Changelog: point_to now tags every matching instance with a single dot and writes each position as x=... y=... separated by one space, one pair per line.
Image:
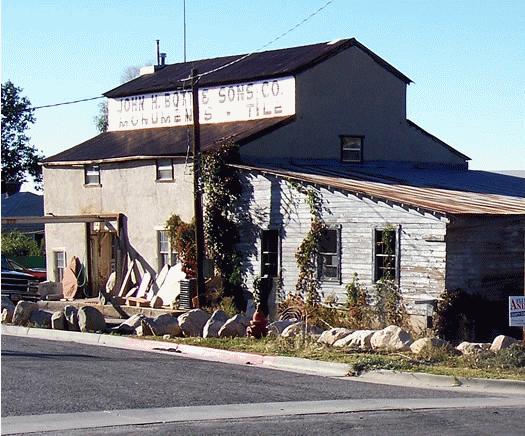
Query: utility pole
x=197 y=194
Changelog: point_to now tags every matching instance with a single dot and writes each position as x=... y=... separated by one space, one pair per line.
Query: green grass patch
x=506 y=364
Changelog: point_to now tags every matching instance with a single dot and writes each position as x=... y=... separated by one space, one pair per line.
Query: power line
x=291 y=29
x=229 y=64
x=66 y=102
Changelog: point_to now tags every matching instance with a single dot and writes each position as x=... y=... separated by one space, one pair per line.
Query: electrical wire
x=214 y=70
x=291 y=29
x=64 y=103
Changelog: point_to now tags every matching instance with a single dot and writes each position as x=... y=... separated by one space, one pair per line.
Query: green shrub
x=359 y=311
x=18 y=244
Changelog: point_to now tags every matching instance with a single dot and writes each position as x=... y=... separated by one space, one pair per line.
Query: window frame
x=90 y=168
x=171 y=254
x=159 y=168
x=361 y=148
x=337 y=228
x=277 y=253
x=397 y=253
x=57 y=269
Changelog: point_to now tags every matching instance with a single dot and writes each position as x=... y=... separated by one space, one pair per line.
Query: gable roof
x=23 y=204
x=267 y=64
x=434 y=199
x=162 y=141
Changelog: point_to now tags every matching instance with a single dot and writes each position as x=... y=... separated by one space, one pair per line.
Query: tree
x=19 y=157
x=101 y=119
x=18 y=244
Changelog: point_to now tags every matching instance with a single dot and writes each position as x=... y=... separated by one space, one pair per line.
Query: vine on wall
x=306 y=255
x=222 y=188
x=182 y=238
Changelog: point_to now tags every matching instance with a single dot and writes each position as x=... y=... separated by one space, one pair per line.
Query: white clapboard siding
x=274 y=204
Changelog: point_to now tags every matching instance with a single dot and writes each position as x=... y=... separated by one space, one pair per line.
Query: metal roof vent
x=162 y=59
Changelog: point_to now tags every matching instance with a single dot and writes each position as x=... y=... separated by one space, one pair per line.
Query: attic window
x=92 y=175
x=165 y=169
x=352 y=148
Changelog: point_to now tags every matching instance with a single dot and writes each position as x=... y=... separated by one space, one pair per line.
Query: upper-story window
x=92 y=175
x=351 y=148
x=165 y=169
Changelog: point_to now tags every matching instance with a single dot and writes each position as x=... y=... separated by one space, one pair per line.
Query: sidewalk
x=294 y=364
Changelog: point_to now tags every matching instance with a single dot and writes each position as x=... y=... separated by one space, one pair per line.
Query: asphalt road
x=43 y=377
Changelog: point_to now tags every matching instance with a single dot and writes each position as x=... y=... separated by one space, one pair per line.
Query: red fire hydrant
x=258 y=325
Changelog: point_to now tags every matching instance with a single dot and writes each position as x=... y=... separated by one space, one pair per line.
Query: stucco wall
x=274 y=204
x=349 y=94
x=128 y=188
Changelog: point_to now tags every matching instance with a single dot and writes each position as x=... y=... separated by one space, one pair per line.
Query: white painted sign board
x=218 y=104
x=517 y=311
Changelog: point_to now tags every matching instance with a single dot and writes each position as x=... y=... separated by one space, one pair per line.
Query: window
x=328 y=258
x=270 y=253
x=165 y=169
x=166 y=256
x=92 y=175
x=351 y=148
x=385 y=254
x=60 y=265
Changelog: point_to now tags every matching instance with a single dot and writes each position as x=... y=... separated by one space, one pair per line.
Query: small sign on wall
x=517 y=311
x=218 y=104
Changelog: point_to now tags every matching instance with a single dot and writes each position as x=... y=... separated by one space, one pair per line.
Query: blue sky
x=467 y=58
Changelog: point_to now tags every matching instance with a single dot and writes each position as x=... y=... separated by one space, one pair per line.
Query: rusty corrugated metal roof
x=443 y=201
x=267 y=64
x=163 y=141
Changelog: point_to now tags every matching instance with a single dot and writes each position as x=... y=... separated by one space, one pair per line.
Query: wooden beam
x=60 y=219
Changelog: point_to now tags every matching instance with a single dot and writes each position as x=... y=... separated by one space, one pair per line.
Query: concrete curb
x=418 y=379
x=293 y=364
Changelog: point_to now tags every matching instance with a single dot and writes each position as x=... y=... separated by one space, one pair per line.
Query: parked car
x=38 y=273
x=18 y=285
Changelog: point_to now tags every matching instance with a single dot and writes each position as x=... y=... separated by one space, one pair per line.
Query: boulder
x=391 y=338
x=144 y=329
x=7 y=315
x=58 y=321
x=359 y=339
x=214 y=324
x=501 y=342
x=277 y=327
x=23 y=311
x=165 y=324
x=427 y=344
x=8 y=309
x=40 y=319
x=192 y=322
x=7 y=303
x=468 y=348
x=49 y=288
x=234 y=327
x=71 y=314
x=129 y=326
x=329 y=337
x=300 y=328
x=91 y=320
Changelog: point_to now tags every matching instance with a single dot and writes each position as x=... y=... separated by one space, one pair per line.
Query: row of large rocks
x=394 y=338
x=83 y=319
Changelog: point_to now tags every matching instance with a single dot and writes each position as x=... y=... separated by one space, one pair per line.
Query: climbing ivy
x=182 y=238
x=306 y=255
x=222 y=188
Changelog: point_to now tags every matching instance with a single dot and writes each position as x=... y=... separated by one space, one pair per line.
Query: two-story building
x=397 y=200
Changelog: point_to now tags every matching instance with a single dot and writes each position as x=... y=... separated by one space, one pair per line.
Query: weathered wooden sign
x=218 y=104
